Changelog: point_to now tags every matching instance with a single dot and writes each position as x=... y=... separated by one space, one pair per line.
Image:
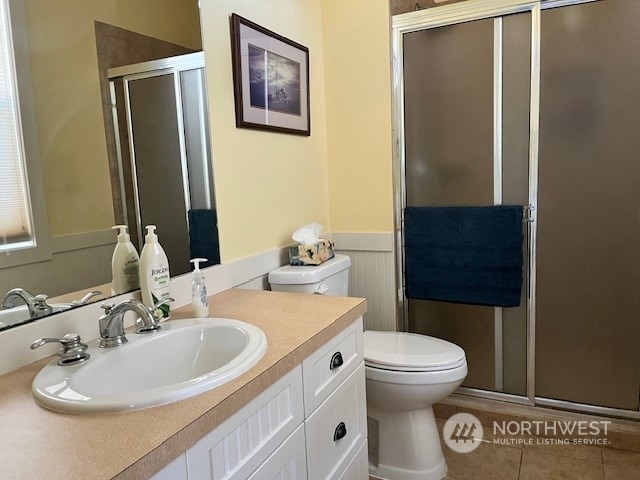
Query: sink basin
x=185 y=358
x=20 y=314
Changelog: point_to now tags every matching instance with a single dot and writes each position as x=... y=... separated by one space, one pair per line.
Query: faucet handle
x=144 y=328
x=40 y=306
x=107 y=307
x=73 y=351
x=40 y=299
x=161 y=302
x=85 y=299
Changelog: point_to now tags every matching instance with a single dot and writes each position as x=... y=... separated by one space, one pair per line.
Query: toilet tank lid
x=300 y=275
x=410 y=351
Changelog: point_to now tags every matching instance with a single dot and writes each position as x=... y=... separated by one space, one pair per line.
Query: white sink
x=185 y=358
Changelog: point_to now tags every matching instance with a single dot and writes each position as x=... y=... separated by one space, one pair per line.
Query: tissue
x=309 y=233
x=312 y=250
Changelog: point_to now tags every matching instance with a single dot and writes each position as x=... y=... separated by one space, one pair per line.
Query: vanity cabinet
x=310 y=424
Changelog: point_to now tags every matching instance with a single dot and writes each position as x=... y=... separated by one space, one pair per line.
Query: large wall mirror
x=114 y=115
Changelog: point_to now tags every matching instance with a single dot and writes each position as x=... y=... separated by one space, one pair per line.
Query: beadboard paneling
x=372 y=276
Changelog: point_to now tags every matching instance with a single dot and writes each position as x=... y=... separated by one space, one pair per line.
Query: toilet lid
x=410 y=352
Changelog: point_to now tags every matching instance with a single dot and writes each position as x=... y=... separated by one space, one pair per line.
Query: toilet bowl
x=406 y=374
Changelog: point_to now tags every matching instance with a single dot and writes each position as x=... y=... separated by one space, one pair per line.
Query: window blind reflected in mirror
x=15 y=210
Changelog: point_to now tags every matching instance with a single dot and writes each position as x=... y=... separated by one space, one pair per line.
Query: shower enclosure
x=163 y=146
x=532 y=103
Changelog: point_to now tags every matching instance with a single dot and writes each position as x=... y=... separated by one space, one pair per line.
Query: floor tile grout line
x=520 y=464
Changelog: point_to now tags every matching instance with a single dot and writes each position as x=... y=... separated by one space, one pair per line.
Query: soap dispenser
x=154 y=273
x=199 y=301
x=125 y=264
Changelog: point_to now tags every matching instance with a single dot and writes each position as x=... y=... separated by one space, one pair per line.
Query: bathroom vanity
x=291 y=413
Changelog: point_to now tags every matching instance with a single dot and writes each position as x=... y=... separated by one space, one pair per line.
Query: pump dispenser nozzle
x=199 y=300
x=123 y=235
x=196 y=264
x=151 y=236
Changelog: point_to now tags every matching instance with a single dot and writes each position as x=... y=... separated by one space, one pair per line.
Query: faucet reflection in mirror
x=35 y=306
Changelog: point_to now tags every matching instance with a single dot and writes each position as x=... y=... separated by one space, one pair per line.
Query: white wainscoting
x=372 y=275
x=76 y=261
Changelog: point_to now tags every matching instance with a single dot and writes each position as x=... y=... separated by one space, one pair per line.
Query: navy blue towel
x=203 y=236
x=464 y=254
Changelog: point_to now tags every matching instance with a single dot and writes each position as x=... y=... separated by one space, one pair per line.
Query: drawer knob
x=341 y=432
x=336 y=361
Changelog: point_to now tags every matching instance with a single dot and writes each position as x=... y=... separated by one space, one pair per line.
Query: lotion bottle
x=125 y=264
x=154 y=273
x=199 y=301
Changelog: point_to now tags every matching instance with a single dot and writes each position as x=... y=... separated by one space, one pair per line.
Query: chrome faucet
x=37 y=304
x=111 y=323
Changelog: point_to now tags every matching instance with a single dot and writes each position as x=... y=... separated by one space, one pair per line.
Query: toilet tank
x=328 y=278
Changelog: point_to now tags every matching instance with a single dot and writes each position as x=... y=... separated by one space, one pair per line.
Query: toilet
x=406 y=373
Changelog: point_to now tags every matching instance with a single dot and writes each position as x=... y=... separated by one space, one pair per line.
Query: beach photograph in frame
x=271 y=79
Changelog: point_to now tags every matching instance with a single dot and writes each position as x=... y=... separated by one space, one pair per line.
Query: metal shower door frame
x=166 y=66
x=451 y=15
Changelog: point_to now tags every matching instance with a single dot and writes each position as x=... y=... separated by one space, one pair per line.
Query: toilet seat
x=411 y=352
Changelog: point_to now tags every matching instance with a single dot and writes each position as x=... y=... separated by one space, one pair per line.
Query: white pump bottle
x=154 y=273
x=199 y=300
x=125 y=264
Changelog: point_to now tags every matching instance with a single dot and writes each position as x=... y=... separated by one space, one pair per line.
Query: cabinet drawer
x=246 y=439
x=358 y=469
x=337 y=429
x=289 y=461
x=325 y=368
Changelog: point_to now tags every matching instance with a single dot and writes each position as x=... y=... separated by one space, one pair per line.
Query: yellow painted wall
x=267 y=184
x=356 y=45
x=67 y=96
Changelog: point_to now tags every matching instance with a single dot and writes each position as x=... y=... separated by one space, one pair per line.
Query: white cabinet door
x=233 y=450
x=288 y=462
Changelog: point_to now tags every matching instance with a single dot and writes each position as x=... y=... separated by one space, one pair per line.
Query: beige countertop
x=37 y=443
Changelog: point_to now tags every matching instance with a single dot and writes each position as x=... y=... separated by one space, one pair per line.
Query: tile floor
x=541 y=462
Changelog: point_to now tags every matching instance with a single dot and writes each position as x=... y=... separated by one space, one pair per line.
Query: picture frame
x=270 y=79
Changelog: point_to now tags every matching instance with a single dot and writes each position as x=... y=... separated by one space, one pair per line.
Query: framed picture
x=271 y=79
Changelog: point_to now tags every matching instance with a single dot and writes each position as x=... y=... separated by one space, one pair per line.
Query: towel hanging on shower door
x=464 y=254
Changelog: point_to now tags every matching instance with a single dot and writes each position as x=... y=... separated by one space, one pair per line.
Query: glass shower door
x=467 y=143
x=588 y=265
